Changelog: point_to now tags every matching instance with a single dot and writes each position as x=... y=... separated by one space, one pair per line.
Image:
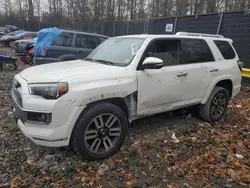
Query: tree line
x=63 y=12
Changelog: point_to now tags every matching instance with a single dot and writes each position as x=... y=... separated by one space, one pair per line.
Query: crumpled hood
x=54 y=72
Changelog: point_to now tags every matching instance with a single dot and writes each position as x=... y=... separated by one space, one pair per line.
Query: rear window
x=225 y=49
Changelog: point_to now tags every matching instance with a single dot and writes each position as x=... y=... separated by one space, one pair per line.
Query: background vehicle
x=12 y=27
x=4 y=31
x=9 y=39
x=20 y=47
x=89 y=103
x=29 y=56
x=70 y=45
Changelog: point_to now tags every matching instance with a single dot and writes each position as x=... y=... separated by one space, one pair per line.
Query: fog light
x=36 y=117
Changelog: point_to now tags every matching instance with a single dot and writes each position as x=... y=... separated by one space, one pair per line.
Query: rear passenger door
x=84 y=44
x=61 y=45
x=225 y=65
x=196 y=55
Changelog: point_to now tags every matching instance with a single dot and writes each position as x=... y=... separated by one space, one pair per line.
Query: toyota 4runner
x=88 y=104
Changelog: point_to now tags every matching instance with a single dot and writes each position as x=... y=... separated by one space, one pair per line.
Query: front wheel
x=100 y=131
x=216 y=105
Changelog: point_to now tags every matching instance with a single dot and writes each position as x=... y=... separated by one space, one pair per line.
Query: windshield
x=116 y=51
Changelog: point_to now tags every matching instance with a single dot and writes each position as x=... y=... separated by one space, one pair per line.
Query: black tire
x=207 y=111
x=79 y=141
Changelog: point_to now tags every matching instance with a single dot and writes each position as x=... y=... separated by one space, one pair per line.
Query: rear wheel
x=100 y=131
x=216 y=105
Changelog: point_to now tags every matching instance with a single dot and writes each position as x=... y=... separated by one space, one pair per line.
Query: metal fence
x=235 y=25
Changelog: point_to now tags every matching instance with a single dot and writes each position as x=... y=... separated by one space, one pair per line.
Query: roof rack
x=198 y=34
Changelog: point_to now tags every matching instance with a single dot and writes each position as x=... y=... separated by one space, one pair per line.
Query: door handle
x=214 y=70
x=182 y=74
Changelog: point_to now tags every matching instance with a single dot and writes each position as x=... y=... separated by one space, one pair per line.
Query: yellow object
x=246 y=72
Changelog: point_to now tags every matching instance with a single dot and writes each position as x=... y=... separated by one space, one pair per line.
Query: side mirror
x=152 y=63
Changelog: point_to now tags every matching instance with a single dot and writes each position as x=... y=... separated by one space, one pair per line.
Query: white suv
x=88 y=104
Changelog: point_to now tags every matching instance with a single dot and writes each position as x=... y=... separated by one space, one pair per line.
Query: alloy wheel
x=219 y=105
x=102 y=133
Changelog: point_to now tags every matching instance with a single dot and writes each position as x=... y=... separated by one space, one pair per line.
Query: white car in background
x=89 y=103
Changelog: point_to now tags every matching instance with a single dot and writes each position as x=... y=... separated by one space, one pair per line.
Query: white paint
x=159 y=90
x=151 y=60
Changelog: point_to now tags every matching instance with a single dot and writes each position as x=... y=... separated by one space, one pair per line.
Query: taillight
x=240 y=65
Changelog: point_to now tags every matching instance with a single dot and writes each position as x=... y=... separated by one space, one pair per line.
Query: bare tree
x=72 y=12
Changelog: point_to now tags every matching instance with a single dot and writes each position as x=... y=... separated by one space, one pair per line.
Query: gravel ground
x=168 y=150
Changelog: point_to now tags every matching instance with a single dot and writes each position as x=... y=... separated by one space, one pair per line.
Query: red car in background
x=8 y=40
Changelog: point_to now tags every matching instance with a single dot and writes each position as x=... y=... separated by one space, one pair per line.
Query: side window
x=167 y=50
x=225 y=49
x=64 y=39
x=196 y=51
x=86 y=41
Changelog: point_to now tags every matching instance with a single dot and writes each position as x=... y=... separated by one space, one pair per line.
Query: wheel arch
x=225 y=82
x=118 y=101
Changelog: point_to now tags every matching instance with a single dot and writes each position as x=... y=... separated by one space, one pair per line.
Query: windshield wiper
x=104 y=61
x=100 y=60
x=88 y=59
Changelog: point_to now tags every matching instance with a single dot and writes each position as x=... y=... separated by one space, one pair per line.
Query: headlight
x=49 y=90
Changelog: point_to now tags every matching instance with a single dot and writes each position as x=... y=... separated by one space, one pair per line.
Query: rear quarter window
x=225 y=49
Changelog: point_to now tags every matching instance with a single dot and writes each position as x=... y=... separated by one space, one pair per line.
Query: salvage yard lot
x=168 y=150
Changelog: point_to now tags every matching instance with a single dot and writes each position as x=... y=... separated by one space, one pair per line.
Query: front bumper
x=55 y=133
